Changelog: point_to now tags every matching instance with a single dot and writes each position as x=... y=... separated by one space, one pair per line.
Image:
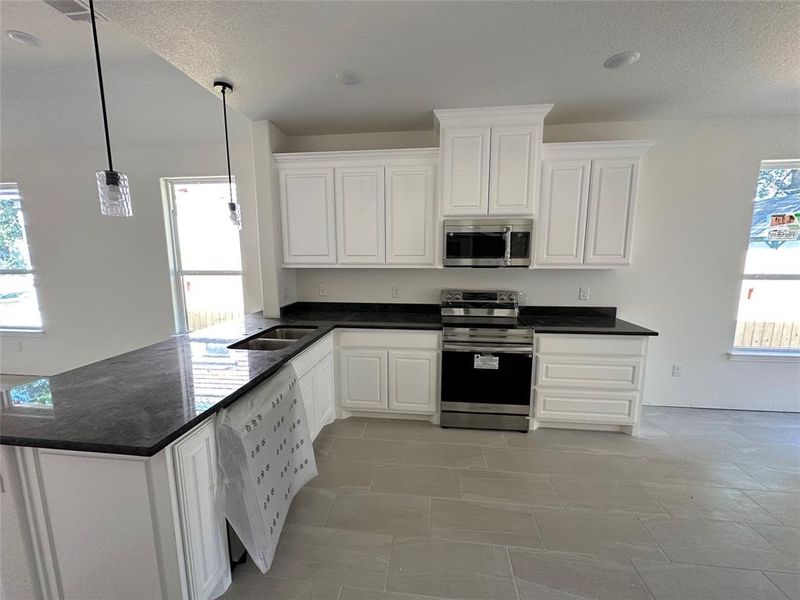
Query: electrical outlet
x=19 y=346
x=395 y=291
x=583 y=293
x=323 y=290
x=677 y=369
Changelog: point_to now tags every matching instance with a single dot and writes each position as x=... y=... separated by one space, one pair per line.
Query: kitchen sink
x=276 y=338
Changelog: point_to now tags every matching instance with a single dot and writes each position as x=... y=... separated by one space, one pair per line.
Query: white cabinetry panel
x=413 y=381
x=611 y=204
x=597 y=372
x=465 y=170
x=308 y=394
x=360 y=217
x=307 y=216
x=410 y=214
x=586 y=406
x=561 y=221
x=324 y=392
x=512 y=172
x=205 y=549
x=363 y=374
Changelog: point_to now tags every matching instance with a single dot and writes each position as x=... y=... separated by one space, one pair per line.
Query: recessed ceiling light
x=621 y=60
x=347 y=77
x=24 y=38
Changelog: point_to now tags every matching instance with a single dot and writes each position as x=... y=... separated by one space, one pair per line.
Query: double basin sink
x=275 y=338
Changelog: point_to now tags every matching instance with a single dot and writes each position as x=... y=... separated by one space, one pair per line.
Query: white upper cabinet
x=611 y=202
x=307 y=216
x=587 y=204
x=561 y=224
x=490 y=159
x=359 y=208
x=410 y=214
x=360 y=224
x=465 y=170
x=512 y=173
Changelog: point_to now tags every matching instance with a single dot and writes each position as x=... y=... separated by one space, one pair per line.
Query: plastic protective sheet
x=265 y=456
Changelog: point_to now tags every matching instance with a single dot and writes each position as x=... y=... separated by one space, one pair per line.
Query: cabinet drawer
x=304 y=361
x=586 y=406
x=593 y=372
x=355 y=338
x=605 y=345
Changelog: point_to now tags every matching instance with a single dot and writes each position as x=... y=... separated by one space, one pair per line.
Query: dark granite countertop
x=139 y=402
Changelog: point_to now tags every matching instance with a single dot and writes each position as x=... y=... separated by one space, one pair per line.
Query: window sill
x=14 y=331
x=764 y=356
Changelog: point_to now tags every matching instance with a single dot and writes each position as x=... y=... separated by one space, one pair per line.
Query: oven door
x=486 y=379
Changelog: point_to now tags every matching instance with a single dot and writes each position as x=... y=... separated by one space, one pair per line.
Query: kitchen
x=346 y=238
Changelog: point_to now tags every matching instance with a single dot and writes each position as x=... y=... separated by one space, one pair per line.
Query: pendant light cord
x=227 y=146
x=100 y=80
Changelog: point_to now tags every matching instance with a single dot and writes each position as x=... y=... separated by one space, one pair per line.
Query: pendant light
x=233 y=206
x=112 y=186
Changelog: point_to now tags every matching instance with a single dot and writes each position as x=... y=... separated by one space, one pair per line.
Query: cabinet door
x=410 y=214
x=561 y=228
x=363 y=374
x=413 y=378
x=307 y=216
x=611 y=204
x=324 y=392
x=309 y=393
x=360 y=218
x=515 y=151
x=465 y=171
x=205 y=548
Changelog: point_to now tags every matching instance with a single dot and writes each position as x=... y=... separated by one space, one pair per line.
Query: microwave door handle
x=507 y=238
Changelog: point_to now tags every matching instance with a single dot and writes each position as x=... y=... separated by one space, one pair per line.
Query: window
x=769 y=304
x=19 y=306
x=206 y=256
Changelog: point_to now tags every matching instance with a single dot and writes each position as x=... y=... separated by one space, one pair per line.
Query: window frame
x=14 y=186
x=181 y=315
x=766 y=354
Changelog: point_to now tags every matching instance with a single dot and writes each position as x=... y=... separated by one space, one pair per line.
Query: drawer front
x=586 y=406
x=393 y=338
x=306 y=360
x=602 y=345
x=591 y=372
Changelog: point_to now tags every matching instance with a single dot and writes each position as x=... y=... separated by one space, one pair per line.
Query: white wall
x=690 y=239
x=104 y=283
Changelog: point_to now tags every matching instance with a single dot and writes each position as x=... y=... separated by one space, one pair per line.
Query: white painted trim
x=755 y=356
x=360 y=155
x=604 y=149
x=492 y=115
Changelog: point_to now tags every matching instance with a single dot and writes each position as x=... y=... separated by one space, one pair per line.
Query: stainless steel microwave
x=488 y=243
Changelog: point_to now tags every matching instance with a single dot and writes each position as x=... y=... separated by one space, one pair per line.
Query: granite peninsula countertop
x=139 y=402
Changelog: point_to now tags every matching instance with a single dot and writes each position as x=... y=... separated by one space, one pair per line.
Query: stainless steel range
x=487 y=362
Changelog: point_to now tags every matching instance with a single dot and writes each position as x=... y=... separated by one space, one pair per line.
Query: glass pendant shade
x=236 y=214
x=115 y=195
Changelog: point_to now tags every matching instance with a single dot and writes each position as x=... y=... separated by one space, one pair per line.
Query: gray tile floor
x=703 y=505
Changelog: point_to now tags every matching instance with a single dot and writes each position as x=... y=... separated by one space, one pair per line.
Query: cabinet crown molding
x=491 y=115
x=286 y=158
x=596 y=149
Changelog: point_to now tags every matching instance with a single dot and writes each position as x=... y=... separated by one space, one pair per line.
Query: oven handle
x=491 y=349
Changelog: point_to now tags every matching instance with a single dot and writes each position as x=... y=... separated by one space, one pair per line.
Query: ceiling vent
x=76 y=10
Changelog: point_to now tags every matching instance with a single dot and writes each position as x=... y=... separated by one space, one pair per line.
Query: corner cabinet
x=389 y=371
x=490 y=159
x=373 y=208
x=587 y=204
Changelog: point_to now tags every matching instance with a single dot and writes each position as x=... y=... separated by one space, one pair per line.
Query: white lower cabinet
x=314 y=371
x=412 y=380
x=324 y=393
x=363 y=374
x=389 y=371
x=589 y=381
x=205 y=547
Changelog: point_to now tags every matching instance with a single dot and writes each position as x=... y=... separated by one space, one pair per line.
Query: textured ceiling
x=699 y=59
x=49 y=95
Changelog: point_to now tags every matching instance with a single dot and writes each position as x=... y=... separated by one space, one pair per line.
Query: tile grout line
x=766 y=574
x=652 y=537
x=638 y=574
x=513 y=577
